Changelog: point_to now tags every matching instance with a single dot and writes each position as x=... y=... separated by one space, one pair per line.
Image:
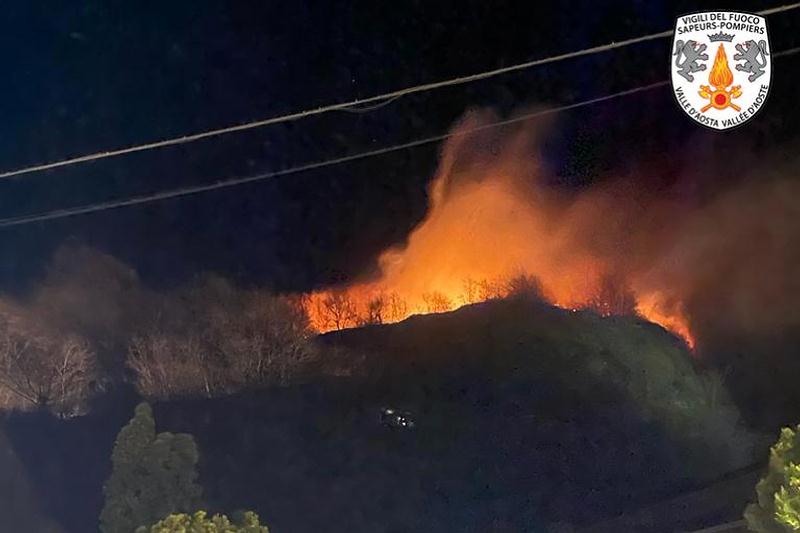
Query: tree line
x=91 y=323
x=358 y=306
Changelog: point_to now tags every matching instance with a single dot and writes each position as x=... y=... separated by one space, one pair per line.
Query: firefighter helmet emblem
x=712 y=89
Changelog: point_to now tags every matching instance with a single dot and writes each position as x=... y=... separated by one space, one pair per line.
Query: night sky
x=82 y=77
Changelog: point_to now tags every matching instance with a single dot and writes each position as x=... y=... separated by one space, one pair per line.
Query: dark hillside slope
x=524 y=415
x=19 y=509
x=602 y=361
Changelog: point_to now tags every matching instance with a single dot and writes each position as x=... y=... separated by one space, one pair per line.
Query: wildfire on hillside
x=495 y=227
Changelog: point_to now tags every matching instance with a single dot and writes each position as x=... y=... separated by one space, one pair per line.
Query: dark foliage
x=504 y=433
x=153 y=475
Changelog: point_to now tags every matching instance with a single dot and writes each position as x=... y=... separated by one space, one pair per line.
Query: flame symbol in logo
x=720 y=77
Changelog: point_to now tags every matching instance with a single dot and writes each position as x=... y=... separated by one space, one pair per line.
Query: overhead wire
x=186 y=191
x=196 y=189
x=355 y=106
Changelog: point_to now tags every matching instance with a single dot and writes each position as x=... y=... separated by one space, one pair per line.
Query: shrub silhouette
x=152 y=475
x=777 y=509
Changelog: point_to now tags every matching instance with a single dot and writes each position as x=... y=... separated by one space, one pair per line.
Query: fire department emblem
x=721 y=67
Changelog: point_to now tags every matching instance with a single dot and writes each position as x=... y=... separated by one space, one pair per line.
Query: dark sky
x=82 y=77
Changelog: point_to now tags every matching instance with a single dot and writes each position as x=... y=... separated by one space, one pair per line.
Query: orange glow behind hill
x=492 y=229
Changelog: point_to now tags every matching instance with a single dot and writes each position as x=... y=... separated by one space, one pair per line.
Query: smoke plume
x=698 y=268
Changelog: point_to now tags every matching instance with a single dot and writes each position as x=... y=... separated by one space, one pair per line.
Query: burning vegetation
x=496 y=225
x=495 y=229
x=719 y=271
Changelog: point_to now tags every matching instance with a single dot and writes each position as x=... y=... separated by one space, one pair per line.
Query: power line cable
x=187 y=191
x=370 y=108
x=354 y=105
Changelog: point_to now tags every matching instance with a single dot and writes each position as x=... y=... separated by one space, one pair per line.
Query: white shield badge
x=721 y=68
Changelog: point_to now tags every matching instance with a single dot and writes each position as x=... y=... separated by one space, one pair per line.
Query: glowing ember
x=493 y=229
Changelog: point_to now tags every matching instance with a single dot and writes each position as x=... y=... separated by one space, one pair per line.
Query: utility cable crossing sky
x=186 y=191
x=372 y=103
x=355 y=106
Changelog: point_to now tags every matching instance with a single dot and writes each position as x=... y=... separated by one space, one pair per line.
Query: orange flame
x=720 y=75
x=491 y=228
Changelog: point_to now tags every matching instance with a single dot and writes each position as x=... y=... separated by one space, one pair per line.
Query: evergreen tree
x=777 y=509
x=152 y=475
